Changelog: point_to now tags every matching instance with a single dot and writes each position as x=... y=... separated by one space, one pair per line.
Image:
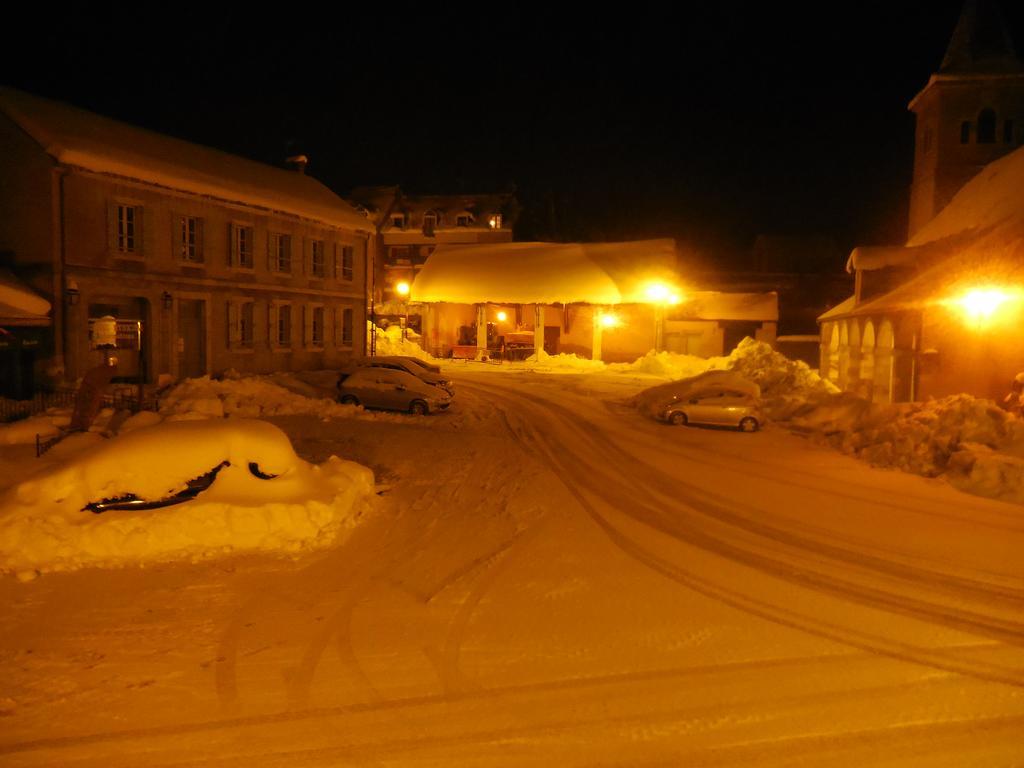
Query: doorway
x=191 y=338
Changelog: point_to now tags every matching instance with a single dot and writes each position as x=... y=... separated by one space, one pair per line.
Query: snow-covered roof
x=869 y=257
x=82 y=139
x=544 y=273
x=19 y=304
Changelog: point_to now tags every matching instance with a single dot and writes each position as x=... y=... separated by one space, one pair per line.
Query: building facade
x=970 y=113
x=207 y=261
x=906 y=333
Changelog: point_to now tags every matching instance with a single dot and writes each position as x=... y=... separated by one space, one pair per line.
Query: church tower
x=970 y=113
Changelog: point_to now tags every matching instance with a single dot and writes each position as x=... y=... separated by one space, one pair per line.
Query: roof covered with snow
x=544 y=273
x=19 y=304
x=82 y=139
x=977 y=238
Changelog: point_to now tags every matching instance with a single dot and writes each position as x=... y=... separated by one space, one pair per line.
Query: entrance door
x=191 y=338
x=552 y=335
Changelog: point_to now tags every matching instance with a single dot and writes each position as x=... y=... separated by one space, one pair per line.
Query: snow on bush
x=24 y=431
x=44 y=526
x=390 y=342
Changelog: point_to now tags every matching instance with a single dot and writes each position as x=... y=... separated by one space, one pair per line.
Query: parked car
x=392 y=390
x=432 y=367
x=410 y=365
x=716 y=398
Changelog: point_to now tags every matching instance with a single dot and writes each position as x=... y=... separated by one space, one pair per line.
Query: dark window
x=346 y=262
x=346 y=328
x=987 y=126
x=1008 y=131
x=965 y=132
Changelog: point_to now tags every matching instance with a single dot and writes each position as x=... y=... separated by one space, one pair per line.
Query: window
x=1008 y=131
x=463 y=220
x=240 y=324
x=128 y=228
x=495 y=221
x=241 y=246
x=316 y=258
x=398 y=220
x=283 y=326
x=189 y=236
x=345 y=331
x=279 y=252
x=316 y=334
x=343 y=262
x=987 y=126
x=430 y=221
x=965 y=132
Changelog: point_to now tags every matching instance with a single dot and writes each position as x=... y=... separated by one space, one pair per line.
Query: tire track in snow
x=558 y=452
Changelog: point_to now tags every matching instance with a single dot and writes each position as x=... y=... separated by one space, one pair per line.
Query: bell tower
x=970 y=113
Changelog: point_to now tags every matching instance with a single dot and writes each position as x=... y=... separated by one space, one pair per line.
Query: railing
x=126 y=398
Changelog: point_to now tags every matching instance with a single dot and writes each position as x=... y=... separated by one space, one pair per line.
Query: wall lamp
x=168 y=300
x=73 y=294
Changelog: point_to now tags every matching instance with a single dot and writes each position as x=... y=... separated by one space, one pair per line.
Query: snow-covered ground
x=550 y=579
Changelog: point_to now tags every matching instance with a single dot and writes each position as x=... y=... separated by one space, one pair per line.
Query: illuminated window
x=241 y=246
x=190 y=239
x=965 y=132
x=398 y=220
x=495 y=221
x=317 y=265
x=987 y=126
x=279 y=252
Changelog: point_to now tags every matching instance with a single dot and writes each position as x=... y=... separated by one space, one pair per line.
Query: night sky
x=708 y=124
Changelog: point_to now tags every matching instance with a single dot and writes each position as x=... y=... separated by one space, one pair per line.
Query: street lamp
x=402 y=289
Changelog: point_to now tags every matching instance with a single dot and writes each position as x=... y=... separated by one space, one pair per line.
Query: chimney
x=299 y=161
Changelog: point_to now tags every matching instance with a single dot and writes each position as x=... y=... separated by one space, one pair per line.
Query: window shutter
x=200 y=245
x=307 y=325
x=234 y=331
x=112 y=227
x=271 y=262
x=143 y=247
x=338 y=319
x=176 y=234
x=272 y=311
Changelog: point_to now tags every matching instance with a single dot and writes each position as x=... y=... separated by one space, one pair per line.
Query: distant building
x=970 y=113
x=942 y=314
x=605 y=301
x=208 y=261
x=409 y=228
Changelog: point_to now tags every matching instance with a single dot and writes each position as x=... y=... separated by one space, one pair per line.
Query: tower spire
x=981 y=43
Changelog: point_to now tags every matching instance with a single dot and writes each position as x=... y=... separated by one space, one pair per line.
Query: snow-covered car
x=392 y=390
x=410 y=365
x=714 y=398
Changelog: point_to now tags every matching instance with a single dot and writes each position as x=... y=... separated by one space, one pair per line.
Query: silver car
x=410 y=365
x=391 y=390
x=717 y=406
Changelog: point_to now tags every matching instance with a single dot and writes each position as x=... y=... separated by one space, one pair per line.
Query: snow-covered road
x=552 y=580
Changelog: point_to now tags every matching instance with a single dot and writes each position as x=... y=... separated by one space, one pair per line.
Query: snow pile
x=670 y=365
x=542 y=362
x=24 y=431
x=389 y=342
x=43 y=526
x=250 y=397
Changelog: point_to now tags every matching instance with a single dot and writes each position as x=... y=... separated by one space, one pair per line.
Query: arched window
x=987 y=126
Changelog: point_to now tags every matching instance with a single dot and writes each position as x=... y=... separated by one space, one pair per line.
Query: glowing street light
x=502 y=316
x=981 y=305
x=609 y=320
x=402 y=288
x=658 y=292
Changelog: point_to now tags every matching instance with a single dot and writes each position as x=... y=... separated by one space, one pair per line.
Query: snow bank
x=248 y=397
x=390 y=342
x=24 y=431
x=43 y=526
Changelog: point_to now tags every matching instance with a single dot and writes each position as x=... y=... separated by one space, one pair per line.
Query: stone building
x=923 y=318
x=208 y=261
x=409 y=227
x=970 y=113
